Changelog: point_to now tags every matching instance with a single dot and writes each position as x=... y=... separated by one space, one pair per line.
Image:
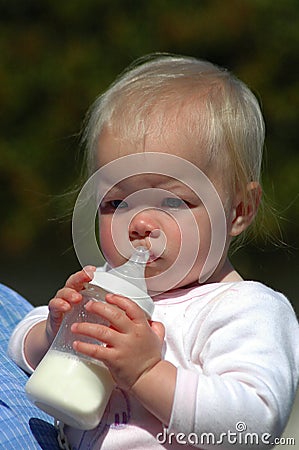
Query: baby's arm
x=133 y=353
x=41 y=335
x=155 y=390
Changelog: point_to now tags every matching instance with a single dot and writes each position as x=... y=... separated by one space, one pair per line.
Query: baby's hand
x=65 y=298
x=133 y=344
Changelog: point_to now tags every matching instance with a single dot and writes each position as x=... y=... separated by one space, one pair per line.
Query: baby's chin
x=161 y=282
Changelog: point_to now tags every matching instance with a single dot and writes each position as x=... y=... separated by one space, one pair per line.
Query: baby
x=177 y=143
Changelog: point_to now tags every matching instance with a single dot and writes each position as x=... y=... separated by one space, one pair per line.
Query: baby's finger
x=77 y=280
x=159 y=329
x=99 y=352
x=57 y=307
x=115 y=316
x=101 y=333
x=69 y=295
x=62 y=302
x=132 y=310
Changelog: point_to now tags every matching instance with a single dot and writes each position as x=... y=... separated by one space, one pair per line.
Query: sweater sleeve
x=17 y=339
x=246 y=353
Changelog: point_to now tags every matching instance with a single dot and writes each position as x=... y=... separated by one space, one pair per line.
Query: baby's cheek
x=106 y=241
x=109 y=246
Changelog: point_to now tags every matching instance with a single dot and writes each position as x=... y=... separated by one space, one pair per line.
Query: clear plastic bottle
x=69 y=386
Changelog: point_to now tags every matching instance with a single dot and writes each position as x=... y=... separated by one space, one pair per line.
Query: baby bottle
x=72 y=387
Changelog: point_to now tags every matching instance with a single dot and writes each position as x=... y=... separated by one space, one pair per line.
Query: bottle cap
x=128 y=280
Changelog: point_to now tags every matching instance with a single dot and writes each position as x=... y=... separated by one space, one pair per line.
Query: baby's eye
x=118 y=204
x=173 y=202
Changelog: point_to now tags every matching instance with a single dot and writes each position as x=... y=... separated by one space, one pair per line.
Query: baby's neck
x=231 y=277
x=225 y=274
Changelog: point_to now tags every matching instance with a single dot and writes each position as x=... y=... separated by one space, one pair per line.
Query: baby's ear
x=244 y=213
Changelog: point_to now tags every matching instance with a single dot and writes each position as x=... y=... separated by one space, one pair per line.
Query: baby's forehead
x=166 y=137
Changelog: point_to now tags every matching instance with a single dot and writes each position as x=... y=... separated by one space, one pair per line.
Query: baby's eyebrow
x=178 y=188
x=129 y=186
x=115 y=191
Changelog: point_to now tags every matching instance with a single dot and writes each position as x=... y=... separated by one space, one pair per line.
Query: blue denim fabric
x=22 y=425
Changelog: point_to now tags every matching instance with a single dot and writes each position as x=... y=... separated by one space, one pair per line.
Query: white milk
x=68 y=386
x=70 y=389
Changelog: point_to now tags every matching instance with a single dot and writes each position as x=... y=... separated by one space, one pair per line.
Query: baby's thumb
x=159 y=329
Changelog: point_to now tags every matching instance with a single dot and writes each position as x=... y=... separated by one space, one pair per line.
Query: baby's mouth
x=156 y=245
x=152 y=258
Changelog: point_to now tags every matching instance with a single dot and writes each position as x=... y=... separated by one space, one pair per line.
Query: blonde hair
x=212 y=105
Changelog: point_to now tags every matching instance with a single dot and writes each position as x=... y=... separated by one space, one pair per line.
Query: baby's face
x=155 y=196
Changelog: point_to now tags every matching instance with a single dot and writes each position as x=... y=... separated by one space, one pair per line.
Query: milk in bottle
x=72 y=387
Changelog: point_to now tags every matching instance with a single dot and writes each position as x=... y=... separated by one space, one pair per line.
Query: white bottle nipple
x=128 y=280
x=133 y=270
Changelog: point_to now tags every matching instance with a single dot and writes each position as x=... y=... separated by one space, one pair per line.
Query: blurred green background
x=57 y=56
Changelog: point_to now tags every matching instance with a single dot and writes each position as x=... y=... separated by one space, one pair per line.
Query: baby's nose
x=144 y=224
